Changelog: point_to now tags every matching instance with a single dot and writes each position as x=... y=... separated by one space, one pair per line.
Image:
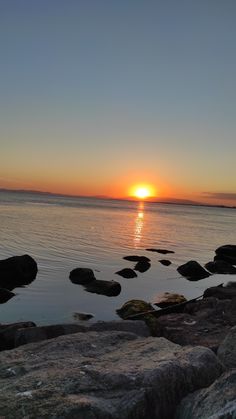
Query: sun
x=142 y=191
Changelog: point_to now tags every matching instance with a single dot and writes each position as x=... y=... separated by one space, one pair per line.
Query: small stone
x=137 y=258
x=82 y=316
x=82 y=276
x=142 y=266
x=163 y=251
x=167 y=299
x=127 y=273
x=165 y=262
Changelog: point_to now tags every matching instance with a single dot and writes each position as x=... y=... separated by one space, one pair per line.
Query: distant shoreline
x=103 y=197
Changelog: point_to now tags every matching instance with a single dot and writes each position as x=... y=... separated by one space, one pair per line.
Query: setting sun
x=142 y=191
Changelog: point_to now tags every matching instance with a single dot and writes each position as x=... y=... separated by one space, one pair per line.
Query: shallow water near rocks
x=62 y=233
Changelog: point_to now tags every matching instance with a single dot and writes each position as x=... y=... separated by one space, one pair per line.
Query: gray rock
x=106 y=375
x=138 y=327
x=82 y=276
x=227 y=350
x=8 y=333
x=193 y=271
x=215 y=402
x=36 y=334
x=82 y=316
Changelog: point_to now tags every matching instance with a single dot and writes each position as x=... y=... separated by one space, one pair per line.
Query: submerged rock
x=82 y=276
x=165 y=262
x=193 y=271
x=102 y=375
x=163 y=251
x=5 y=295
x=168 y=299
x=17 y=271
x=220 y=267
x=127 y=273
x=137 y=258
x=108 y=288
x=82 y=316
x=142 y=266
x=227 y=253
x=214 y=402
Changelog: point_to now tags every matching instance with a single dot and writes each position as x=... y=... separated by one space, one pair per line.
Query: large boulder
x=193 y=271
x=17 y=271
x=227 y=253
x=106 y=375
x=220 y=267
x=227 y=350
x=215 y=402
x=82 y=276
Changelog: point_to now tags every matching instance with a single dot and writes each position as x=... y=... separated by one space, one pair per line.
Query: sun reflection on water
x=139 y=221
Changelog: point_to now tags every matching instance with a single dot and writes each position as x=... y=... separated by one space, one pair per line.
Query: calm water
x=65 y=233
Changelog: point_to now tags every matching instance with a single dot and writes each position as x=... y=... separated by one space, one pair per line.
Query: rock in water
x=127 y=273
x=193 y=271
x=168 y=299
x=163 y=251
x=137 y=258
x=17 y=271
x=102 y=375
x=222 y=293
x=82 y=276
x=5 y=295
x=142 y=266
x=132 y=307
x=165 y=262
x=227 y=253
x=220 y=267
x=82 y=316
x=108 y=288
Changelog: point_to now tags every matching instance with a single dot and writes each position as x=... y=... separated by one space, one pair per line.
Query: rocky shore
x=175 y=362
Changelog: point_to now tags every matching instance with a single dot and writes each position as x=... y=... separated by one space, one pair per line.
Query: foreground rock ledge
x=105 y=375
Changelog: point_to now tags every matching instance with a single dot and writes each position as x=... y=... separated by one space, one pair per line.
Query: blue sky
x=96 y=94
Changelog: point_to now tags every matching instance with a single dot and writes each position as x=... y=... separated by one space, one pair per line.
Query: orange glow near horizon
x=142 y=191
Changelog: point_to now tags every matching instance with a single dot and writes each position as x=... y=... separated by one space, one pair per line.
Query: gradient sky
x=98 y=95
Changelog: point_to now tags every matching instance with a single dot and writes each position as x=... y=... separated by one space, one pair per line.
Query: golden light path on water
x=139 y=222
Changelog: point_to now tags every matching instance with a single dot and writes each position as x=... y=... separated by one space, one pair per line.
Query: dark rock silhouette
x=5 y=295
x=227 y=253
x=127 y=273
x=8 y=333
x=221 y=292
x=137 y=258
x=165 y=262
x=142 y=266
x=163 y=251
x=108 y=288
x=17 y=271
x=82 y=276
x=220 y=267
x=193 y=271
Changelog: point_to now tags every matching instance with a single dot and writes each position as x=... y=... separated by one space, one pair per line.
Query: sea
x=62 y=233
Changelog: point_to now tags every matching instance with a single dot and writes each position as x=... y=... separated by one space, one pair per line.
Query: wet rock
x=103 y=375
x=137 y=258
x=221 y=292
x=142 y=266
x=37 y=334
x=227 y=350
x=220 y=267
x=214 y=402
x=8 y=333
x=141 y=308
x=17 y=271
x=227 y=253
x=163 y=251
x=205 y=322
x=133 y=326
x=108 y=288
x=82 y=316
x=5 y=295
x=165 y=262
x=168 y=299
x=82 y=276
x=127 y=273
x=193 y=271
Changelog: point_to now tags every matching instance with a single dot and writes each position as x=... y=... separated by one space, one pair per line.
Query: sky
x=99 y=95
